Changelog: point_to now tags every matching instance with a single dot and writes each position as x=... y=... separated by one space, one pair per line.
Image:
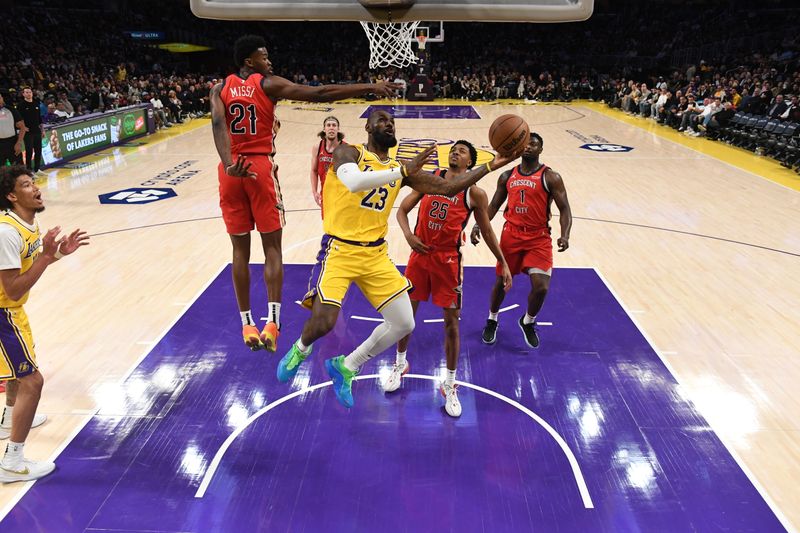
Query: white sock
x=361 y=355
x=529 y=319
x=493 y=316
x=5 y=421
x=13 y=454
x=274 y=313
x=401 y=358
x=302 y=347
x=451 y=378
x=247 y=318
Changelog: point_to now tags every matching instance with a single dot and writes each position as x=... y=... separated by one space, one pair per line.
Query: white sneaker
x=27 y=471
x=451 y=403
x=38 y=420
x=395 y=378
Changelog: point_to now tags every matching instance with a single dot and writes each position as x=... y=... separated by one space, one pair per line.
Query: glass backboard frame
x=444 y=10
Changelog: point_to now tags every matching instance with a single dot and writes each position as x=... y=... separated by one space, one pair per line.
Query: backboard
x=400 y=10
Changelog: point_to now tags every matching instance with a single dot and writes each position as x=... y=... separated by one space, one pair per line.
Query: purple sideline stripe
x=424 y=111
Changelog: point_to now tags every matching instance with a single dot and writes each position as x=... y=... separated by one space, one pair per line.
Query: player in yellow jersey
x=24 y=256
x=360 y=190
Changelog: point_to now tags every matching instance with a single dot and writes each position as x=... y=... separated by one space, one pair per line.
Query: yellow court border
x=738 y=157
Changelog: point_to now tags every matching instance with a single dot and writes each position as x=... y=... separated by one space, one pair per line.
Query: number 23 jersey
x=360 y=216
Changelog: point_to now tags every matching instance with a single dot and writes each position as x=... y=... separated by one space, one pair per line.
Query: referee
x=12 y=130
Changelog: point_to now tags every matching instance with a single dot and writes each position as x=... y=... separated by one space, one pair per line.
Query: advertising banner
x=75 y=138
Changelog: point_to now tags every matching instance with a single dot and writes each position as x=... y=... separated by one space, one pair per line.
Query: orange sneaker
x=251 y=337
x=269 y=336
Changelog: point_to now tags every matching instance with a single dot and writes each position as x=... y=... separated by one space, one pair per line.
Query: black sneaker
x=529 y=331
x=489 y=335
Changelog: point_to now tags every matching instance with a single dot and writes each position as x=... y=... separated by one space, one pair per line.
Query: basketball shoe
x=489 y=335
x=342 y=380
x=269 y=336
x=290 y=363
x=529 y=332
x=395 y=378
x=451 y=403
x=24 y=470
x=251 y=337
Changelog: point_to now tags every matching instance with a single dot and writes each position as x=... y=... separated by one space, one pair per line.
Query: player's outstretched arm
x=345 y=164
x=559 y=192
x=428 y=183
x=480 y=206
x=280 y=88
x=499 y=198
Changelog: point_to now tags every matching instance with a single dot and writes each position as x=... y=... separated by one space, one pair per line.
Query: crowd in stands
x=699 y=99
x=641 y=57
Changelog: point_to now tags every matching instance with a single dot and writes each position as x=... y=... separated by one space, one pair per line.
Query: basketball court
x=660 y=399
x=661 y=392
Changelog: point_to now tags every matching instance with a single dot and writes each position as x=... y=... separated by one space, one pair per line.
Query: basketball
x=507 y=132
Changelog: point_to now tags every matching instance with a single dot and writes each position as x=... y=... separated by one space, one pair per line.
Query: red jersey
x=324 y=160
x=441 y=219
x=528 y=199
x=250 y=115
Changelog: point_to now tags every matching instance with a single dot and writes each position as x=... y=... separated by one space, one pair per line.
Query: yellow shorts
x=17 y=358
x=339 y=264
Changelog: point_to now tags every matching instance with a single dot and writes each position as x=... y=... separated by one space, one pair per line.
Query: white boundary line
x=7 y=509
x=297 y=245
x=573 y=462
x=770 y=503
x=366 y=318
x=435 y=320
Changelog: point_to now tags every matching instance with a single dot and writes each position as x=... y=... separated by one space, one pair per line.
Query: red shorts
x=247 y=202
x=436 y=275
x=526 y=250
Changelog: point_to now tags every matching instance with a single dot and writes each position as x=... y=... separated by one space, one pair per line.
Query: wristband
x=403 y=171
x=58 y=254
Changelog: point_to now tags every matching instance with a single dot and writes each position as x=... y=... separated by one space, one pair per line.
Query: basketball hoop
x=390 y=43
x=421 y=38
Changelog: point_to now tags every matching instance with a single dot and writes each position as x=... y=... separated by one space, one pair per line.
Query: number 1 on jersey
x=238 y=111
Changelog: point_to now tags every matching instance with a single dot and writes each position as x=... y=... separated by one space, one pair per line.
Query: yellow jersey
x=31 y=245
x=359 y=216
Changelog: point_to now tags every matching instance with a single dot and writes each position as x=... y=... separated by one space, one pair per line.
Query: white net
x=390 y=43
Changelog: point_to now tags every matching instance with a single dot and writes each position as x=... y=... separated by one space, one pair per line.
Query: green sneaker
x=290 y=363
x=342 y=380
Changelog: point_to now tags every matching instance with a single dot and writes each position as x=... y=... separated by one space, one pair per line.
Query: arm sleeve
x=10 y=248
x=357 y=180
